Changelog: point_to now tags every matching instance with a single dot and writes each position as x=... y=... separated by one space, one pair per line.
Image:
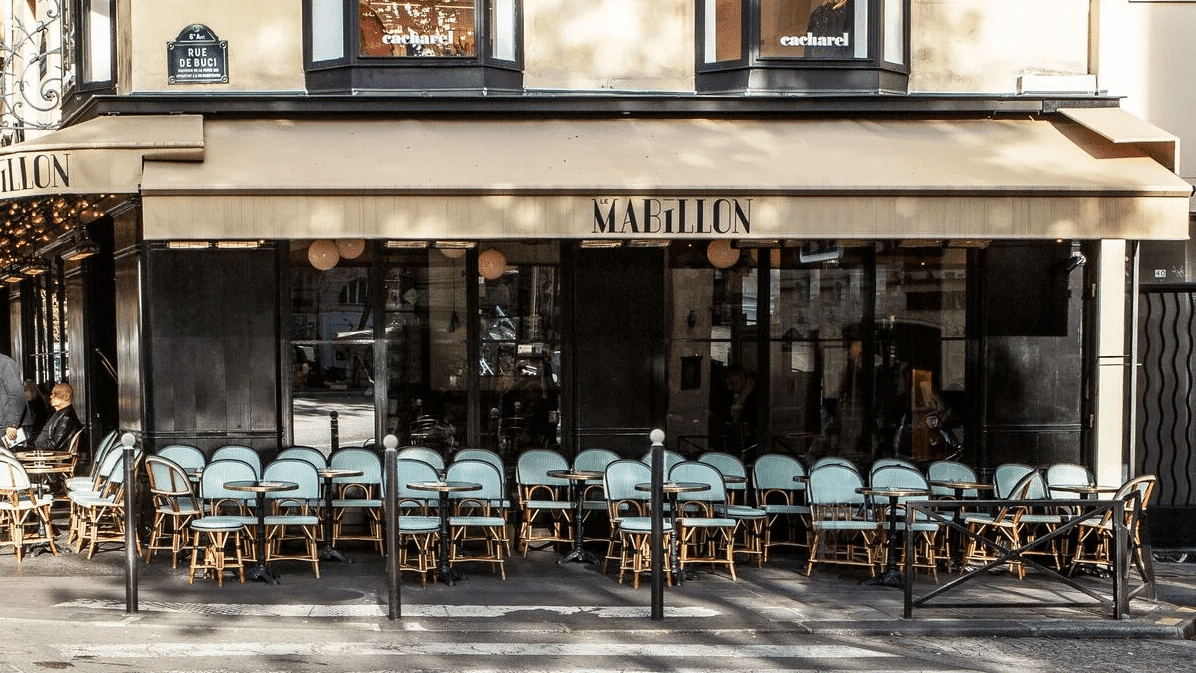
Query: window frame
x=352 y=71
x=77 y=62
x=753 y=72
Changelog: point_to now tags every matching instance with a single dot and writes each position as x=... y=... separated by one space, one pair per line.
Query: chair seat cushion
x=292 y=520
x=640 y=524
x=24 y=502
x=845 y=525
x=183 y=506
x=477 y=521
x=367 y=503
x=743 y=512
x=419 y=524
x=707 y=522
x=549 y=504
x=794 y=510
x=218 y=523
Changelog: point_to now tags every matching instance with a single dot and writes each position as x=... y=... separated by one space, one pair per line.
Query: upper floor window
x=803 y=45
x=359 y=45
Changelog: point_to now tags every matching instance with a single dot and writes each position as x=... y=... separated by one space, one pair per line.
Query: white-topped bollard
x=390 y=471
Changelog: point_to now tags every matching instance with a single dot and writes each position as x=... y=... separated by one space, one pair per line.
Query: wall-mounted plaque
x=197 y=56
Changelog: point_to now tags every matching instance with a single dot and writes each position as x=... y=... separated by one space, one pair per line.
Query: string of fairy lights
x=28 y=226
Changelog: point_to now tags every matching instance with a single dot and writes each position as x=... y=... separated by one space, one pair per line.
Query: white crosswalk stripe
x=376 y=610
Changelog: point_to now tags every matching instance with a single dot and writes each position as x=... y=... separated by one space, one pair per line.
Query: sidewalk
x=540 y=594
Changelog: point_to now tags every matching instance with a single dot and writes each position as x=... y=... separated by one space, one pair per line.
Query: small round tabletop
x=445 y=486
x=334 y=472
x=575 y=475
x=893 y=492
x=961 y=485
x=1084 y=489
x=734 y=479
x=675 y=486
x=261 y=486
x=39 y=456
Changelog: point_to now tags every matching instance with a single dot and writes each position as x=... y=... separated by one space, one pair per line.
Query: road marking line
x=671 y=651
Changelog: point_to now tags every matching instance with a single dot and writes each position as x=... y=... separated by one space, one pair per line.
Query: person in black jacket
x=62 y=424
x=36 y=410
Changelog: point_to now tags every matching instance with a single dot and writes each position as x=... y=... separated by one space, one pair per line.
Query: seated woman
x=62 y=424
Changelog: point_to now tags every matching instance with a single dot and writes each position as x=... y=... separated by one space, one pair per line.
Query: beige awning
x=100 y=156
x=663 y=178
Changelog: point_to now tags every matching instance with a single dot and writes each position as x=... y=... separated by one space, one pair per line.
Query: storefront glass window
x=331 y=331
x=417 y=28
x=520 y=345
x=814 y=29
x=723 y=30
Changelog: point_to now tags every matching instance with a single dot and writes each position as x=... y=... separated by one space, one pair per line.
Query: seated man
x=62 y=424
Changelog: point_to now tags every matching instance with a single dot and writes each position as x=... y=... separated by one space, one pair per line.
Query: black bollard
x=393 y=574
x=131 y=559
x=657 y=437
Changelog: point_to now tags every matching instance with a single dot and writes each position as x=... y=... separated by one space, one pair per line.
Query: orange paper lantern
x=323 y=254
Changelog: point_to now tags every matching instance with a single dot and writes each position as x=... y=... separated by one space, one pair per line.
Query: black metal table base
x=332 y=554
x=889 y=578
x=580 y=555
x=261 y=573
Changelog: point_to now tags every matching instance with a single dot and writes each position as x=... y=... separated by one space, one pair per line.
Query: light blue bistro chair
x=951 y=470
x=424 y=454
x=544 y=505
x=477 y=523
x=729 y=466
x=778 y=482
x=704 y=533
x=833 y=460
x=24 y=512
x=842 y=528
x=305 y=453
x=631 y=525
x=90 y=482
x=594 y=459
x=1067 y=474
x=362 y=493
x=216 y=500
x=225 y=521
x=889 y=461
x=186 y=456
x=671 y=458
x=929 y=534
x=410 y=500
x=174 y=505
x=290 y=518
x=494 y=459
x=102 y=514
x=242 y=453
x=1008 y=475
x=1011 y=526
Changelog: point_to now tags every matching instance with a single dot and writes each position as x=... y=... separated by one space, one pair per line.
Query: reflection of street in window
x=419 y=28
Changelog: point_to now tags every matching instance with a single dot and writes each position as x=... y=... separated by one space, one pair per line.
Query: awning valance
x=663 y=178
x=100 y=156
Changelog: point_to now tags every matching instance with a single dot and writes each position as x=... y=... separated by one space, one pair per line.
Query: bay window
x=365 y=45
x=803 y=46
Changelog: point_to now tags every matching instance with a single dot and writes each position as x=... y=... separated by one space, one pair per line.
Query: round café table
x=329 y=552
x=447 y=574
x=892 y=575
x=259 y=571
x=672 y=489
x=42 y=463
x=577 y=479
x=1086 y=490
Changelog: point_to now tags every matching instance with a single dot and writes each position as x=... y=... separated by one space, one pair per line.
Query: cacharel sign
x=812 y=40
x=31 y=172
x=672 y=216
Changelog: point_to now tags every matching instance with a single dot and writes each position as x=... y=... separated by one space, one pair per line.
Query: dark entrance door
x=616 y=363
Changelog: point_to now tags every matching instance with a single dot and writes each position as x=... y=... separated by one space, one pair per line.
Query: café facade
x=933 y=276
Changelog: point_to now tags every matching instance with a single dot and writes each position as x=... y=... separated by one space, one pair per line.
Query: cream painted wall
x=1143 y=51
x=621 y=45
x=983 y=46
x=265 y=42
